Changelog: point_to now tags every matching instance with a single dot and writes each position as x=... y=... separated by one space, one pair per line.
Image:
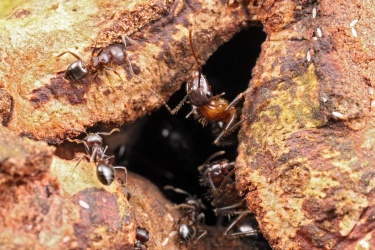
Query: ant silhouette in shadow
x=206 y=107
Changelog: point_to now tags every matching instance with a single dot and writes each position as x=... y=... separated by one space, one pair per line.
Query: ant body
x=205 y=106
x=190 y=225
x=113 y=54
x=218 y=176
x=95 y=152
x=141 y=238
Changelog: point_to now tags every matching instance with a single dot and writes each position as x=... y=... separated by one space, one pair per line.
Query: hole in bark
x=170 y=148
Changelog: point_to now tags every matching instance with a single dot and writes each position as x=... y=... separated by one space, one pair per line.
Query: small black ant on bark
x=95 y=152
x=141 y=238
x=190 y=225
x=113 y=54
x=219 y=177
x=205 y=106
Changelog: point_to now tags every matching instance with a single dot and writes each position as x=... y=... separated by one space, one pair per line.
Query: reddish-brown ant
x=95 y=152
x=113 y=54
x=218 y=176
x=190 y=226
x=205 y=106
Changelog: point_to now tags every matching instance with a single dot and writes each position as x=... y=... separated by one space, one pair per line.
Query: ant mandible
x=113 y=54
x=95 y=152
x=205 y=106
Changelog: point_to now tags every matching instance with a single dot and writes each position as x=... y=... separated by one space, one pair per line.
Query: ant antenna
x=195 y=57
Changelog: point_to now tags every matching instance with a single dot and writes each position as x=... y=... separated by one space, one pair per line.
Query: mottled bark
x=47 y=202
x=306 y=162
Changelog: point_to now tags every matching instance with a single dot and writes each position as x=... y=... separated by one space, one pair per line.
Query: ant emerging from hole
x=218 y=176
x=141 y=238
x=205 y=106
x=95 y=152
x=112 y=55
x=190 y=225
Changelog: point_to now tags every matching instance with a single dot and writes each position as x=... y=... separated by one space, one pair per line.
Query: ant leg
x=108 y=133
x=177 y=108
x=191 y=112
x=202 y=234
x=177 y=190
x=125 y=170
x=229 y=174
x=79 y=161
x=78 y=141
x=225 y=130
x=235 y=126
x=250 y=232
x=73 y=54
x=241 y=95
x=229 y=209
x=114 y=71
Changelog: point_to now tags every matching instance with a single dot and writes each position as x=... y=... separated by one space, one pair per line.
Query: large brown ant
x=205 y=106
x=190 y=225
x=113 y=54
x=95 y=152
x=218 y=176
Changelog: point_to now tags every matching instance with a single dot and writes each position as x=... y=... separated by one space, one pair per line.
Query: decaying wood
x=306 y=162
x=48 y=203
x=158 y=51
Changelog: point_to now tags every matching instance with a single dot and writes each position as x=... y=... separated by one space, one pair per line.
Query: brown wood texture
x=306 y=162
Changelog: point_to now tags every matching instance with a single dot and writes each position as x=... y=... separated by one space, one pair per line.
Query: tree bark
x=48 y=203
x=306 y=161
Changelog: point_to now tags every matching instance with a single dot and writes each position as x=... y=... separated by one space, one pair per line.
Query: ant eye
x=208 y=94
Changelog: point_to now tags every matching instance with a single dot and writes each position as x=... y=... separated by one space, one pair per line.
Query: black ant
x=205 y=106
x=218 y=176
x=95 y=152
x=113 y=54
x=141 y=238
x=190 y=226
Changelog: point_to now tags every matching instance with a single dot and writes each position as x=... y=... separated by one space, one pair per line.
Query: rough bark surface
x=47 y=107
x=306 y=163
x=47 y=202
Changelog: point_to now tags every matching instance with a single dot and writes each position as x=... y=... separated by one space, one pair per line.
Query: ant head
x=92 y=139
x=198 y=89
x=76 y=71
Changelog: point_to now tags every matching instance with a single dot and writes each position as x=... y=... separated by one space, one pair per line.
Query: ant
x=141 y=238
x=218 y=176
x=190 y=225
x=95 y=152
x=205 y=106
x=113 y=54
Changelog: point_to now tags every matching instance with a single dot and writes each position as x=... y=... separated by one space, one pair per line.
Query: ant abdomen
x=76 y=71
x=105 y=174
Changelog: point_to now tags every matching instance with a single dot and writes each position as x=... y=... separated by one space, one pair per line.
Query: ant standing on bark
x=141 y=238
x=113 y=54
x=218 y=176
x=95 y=152
x=190 y=226
x=205 y=106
